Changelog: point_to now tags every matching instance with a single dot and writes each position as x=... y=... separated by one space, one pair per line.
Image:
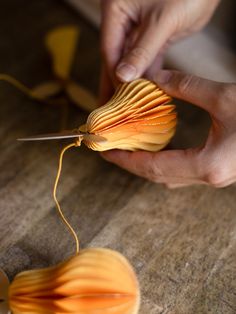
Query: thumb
x=139 y=58
x=201 y=92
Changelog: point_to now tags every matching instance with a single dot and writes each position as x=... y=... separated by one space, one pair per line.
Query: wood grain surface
x=181 y=242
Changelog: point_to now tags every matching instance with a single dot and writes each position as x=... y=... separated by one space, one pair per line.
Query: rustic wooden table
x=181 y=242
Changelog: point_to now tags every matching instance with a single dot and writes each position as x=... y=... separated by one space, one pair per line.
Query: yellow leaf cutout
x=81 y=96
x=61 y=43
x=46 y=90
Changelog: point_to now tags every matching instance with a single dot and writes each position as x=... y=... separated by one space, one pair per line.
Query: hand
x=136 y=33
x=215 y=162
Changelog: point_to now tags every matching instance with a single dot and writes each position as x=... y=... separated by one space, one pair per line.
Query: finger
x=143 y=53
x=106 y=88
x=155 y=66
x=201 y=92
x=180 y=185
x=114 y=27
x=169 y=167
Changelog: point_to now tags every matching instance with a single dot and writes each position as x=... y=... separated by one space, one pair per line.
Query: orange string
x=11 y=80
x=55 y=196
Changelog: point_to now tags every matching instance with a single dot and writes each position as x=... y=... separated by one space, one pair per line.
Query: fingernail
x=163 y=76
x=126 y=72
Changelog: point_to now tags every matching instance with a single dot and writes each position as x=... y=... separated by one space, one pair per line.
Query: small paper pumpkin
x=138 y=117
x=97 y=281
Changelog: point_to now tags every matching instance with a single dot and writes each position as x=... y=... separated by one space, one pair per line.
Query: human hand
x=213 y=163
x=136 y=33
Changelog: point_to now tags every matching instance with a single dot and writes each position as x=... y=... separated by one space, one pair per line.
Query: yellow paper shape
x=138 y=117
x=81 y=96
x=46 y=90
x=61 y=43
x=96 y=280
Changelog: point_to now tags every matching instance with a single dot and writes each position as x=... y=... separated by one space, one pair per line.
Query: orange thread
x=11 y=80
x=55 y=196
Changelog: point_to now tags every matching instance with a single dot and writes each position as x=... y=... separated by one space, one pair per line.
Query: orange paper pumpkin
x=138 y=117
x=97 y=281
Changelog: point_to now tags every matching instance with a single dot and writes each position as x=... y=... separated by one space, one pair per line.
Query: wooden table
x=181 y=242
